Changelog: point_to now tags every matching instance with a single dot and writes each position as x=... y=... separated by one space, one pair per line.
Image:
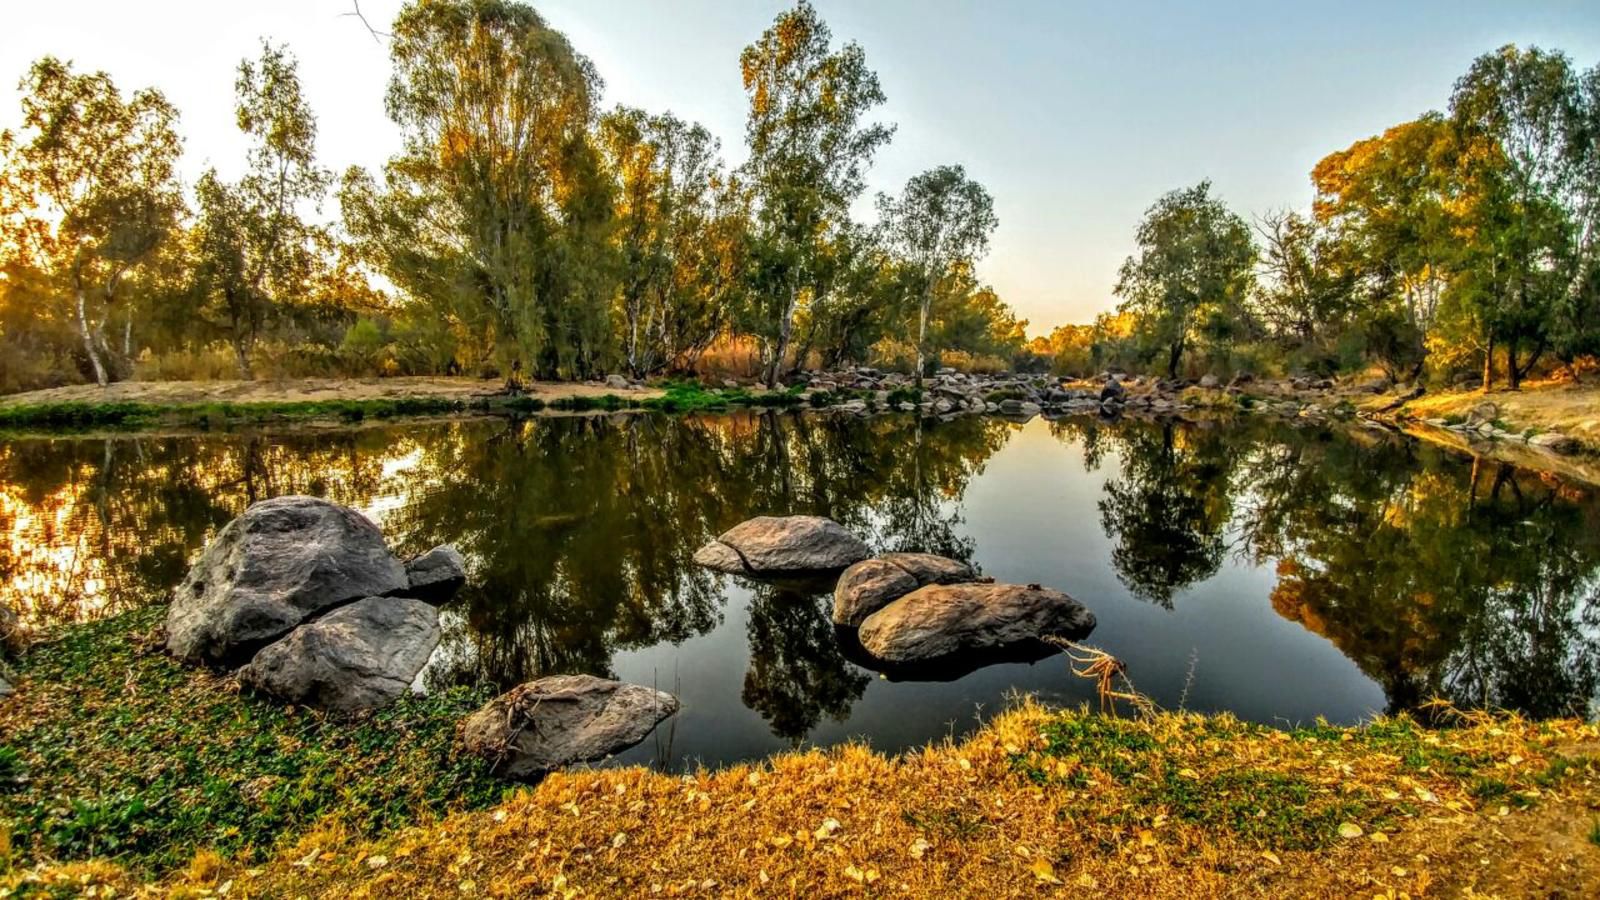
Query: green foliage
x=809 y=150
x=133 y=756
x=1191 y=274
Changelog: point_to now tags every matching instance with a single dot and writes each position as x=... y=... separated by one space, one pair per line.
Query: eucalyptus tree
x=670 y=182
x=254 y=252
x=1520 y=117
x=941 y=219
x=497 y=212
x=1195 y=259
x=809 y=151
x=93 y=191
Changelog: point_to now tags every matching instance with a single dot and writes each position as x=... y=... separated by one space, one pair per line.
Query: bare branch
x=377 y=35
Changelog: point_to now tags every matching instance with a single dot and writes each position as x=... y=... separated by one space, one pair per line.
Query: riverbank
x=1550 y=426
x=124 y=769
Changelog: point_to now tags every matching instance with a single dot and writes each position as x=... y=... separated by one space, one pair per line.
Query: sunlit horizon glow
x=1075 y=116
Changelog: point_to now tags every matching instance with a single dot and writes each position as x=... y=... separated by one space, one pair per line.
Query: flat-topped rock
x=778 y=546
x=279 y=563
x=872 y=584
x=942 y=620
x=538 y=727
x=361 y=656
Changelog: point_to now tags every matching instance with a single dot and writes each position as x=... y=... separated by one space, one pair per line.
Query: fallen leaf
x=919 y=847
x=826 y=829
x=377 y=862
x=1043 y=871
x=1349 y=830
x=1271 y=857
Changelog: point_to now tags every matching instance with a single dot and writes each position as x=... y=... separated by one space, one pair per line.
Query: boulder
x=1556 y=442
x=359 y=656
x=944 y=620
x=543 y=725
x=617 y=382
x=872 y=584
x=279 y=563
x=435 y=576
x=777 y=546
x=1113 y=390
x=1483 y=413
x=1209 y=381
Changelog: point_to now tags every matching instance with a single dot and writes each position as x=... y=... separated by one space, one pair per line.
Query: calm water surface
x=1280 y=572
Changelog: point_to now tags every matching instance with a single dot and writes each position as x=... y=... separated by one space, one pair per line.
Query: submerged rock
x=357 y=657
x=435 y=576
x=944 y=620
x=778 y=546
x=276 y=565
x=872 y=584
x=543 y=725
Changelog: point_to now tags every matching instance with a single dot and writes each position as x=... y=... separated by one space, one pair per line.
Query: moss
x=114 y=750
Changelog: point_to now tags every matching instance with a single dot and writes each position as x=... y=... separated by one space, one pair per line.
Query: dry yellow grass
x=1570 y=407
x=1170 y=806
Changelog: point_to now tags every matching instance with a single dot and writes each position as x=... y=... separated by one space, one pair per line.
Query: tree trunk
x=89 y=342
x=241 y=359
x=922 y=334
x=1488 y=364
x=785 y=331
x=1513 y=373
x=1174 y=355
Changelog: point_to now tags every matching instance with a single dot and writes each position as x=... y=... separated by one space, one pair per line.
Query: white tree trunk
x=89 y=341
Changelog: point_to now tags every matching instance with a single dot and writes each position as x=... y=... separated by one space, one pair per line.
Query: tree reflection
x=1168 y=507
x=797 y=672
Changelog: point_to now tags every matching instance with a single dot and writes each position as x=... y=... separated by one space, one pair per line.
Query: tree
x=1390 y=202
x=94 y=191
x=1308 y=290
x=253 y=251
x=1517 y=112
x=498 y=210
x=808 y=156
x=1195 y=256
x=672 y=298
x=941 y=219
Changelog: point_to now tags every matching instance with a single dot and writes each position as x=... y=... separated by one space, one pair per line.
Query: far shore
x=304 y=390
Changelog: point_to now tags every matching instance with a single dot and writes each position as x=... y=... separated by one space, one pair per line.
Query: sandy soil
x=304 y=389
x=1570 y=407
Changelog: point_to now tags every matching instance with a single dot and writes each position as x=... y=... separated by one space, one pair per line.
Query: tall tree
x=94 y=191
x=498 y=210
x=672 y=299
x=809 y=150
x=1195 y=256
x=943 y=218
x=1308 y=290
x=1517 y=111
x=1390 y=202
x=254 y=251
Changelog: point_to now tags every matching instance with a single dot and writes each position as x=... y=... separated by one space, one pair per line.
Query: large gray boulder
x=361 y=656
x=940 y=621
x=435 y=576
x=779 y=546
x=543 y=725
x=279 y=563
x=872 y=584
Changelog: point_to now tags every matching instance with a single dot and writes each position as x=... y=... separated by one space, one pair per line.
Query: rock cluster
x=1483 y=422
x=1021 y=396
x=304 y=596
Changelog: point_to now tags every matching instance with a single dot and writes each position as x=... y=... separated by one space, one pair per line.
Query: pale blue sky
x=1076 y=115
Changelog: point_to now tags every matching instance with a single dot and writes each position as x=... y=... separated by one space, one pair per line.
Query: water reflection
x=1430 y=574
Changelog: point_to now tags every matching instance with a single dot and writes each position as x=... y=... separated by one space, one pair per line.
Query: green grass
x=68 y=416
x=1594 y=833
x=1278 y=810
x=113 y=750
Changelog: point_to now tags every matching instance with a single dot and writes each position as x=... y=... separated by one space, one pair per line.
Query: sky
x=1075 y=115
